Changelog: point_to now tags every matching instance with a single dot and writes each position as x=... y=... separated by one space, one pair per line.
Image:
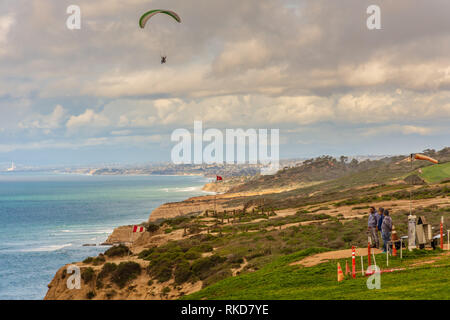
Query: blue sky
x=309 y=68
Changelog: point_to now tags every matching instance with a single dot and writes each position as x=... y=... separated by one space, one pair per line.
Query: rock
x=414 y=180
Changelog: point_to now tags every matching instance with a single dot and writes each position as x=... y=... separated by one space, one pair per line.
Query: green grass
x=436 y=173
x=279 y=280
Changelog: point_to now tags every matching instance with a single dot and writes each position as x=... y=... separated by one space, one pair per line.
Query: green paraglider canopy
x=148 y=15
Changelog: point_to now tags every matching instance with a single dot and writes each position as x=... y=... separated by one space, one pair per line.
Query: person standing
x=386 y=229
x=372 y=227
x=380 y=216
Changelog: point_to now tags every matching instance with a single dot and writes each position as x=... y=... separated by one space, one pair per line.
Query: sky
x=311 y=69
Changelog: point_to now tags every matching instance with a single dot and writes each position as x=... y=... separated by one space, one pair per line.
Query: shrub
x=125 y=272
x=161 y=271
x=192 y=254
x=165 y=291
x=222 y=274
x=183 y=273
x=118 y=251
x=90 y=295
x=111 y=294
x=152 y=227
x=107 y=269
x=99 y=260
x=204 y=267
x=87 y=274
x=145 y=253
x=88 y=260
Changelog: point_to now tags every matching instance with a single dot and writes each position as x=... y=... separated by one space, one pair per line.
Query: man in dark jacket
x=380 y=216
x=386 y=229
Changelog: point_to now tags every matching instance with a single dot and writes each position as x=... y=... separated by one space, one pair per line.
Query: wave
x=54 y=247
x=185 y=189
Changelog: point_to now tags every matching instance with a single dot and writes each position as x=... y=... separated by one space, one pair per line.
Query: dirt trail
x=332 y=255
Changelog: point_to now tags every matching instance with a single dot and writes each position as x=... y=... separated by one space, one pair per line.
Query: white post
x=387 y=255
x=374 y=260
x=401 y=249
x=362 y=266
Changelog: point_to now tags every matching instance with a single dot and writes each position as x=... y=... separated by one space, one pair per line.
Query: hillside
x=254 y=236
x=437 y=173
x=327 y=168
x=416 y=278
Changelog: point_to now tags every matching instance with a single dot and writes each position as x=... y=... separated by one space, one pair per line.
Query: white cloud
x=87 y=119
x=48 y=122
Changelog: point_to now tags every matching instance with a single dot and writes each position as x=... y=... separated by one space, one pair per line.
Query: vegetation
x=437 y=173
x=95 y=261
x=258 y=242
x=118 y=251
x=125 y=272
x=87 y=274
x=280 y=280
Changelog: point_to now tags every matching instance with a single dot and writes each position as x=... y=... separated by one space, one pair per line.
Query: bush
x=145 y=253
x=90 y=295
x=95 y=261
x=88 y=260
x=192 y=254
x=107 y=269
x=87 y=274
x=152 y=227
x=118 y=251
x=165 y=291
x=125 y=272
x=204 y=267
x=183 y=273
x=161 y=271
x=99 y=260
x=222 y=274
x=111 y=294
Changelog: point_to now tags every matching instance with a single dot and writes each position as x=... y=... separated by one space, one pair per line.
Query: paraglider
x=149 y=14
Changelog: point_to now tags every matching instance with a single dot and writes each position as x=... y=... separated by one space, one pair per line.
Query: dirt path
x=332 y=255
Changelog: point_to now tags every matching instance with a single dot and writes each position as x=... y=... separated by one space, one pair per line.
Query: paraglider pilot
x=163 y=60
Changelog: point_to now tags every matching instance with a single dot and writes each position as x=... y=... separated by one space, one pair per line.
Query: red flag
x=219 y=178
x=138 y=229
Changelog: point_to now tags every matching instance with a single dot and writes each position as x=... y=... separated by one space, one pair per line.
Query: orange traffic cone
x=347 y=270
x=394 y=239
x=340 y=275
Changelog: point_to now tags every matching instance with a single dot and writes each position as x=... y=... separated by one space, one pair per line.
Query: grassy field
x=436 y=173
x=279 y=280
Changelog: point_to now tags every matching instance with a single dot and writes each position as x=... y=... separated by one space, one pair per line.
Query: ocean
x=46 y=218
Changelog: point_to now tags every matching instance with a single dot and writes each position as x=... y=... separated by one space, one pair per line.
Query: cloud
x=48 y=122
x=87 y=119
x=309 y=68
x=6 y=22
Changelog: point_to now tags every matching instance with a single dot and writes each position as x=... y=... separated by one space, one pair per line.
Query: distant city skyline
x=311 y=69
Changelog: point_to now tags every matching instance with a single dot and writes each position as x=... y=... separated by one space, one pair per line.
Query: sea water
x=46 y=218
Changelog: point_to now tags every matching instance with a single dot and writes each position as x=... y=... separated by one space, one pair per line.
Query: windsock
x=418 y=156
